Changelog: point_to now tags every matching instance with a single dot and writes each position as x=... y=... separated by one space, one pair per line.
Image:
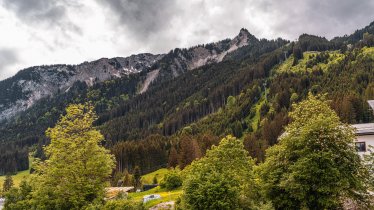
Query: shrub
x=116 y=205
x=122 y=205
x=172 y=180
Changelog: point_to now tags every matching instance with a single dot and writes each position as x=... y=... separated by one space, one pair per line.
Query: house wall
x=369 y=141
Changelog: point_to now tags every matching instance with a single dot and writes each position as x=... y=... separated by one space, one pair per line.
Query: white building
x=365 y=135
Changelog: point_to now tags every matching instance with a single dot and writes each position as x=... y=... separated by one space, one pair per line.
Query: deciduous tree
x=77 y=168
x=223 y=179
x=314 y=165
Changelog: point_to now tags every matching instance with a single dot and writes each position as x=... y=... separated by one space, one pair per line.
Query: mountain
x=21 y=91
x=179 y=61
x=186 y=99
x=34 y=83
x=356 y=36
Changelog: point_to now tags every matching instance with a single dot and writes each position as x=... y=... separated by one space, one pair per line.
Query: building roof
x=364 y=129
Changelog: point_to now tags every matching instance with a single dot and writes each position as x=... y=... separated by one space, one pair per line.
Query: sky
x=41 y=32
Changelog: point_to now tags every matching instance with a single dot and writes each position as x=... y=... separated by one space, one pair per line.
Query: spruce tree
x=8 y=183
x=137 y=177
x=127 y=179
x=173 y=158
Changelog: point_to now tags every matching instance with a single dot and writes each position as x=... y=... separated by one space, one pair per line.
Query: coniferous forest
x=257 y=93
x=248 y=95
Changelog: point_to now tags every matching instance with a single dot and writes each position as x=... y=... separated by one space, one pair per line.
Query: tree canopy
x=315 y=164
x=77 y=168
x=223 y=179
x=8 y=183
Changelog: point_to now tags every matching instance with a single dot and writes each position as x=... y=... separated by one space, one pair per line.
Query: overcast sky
x=36 y=32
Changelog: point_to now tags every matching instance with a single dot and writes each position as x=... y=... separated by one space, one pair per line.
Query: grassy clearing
x=18 y=177
x=148 y=178
x=165 y=196
x=334 y=58
x=254 y=121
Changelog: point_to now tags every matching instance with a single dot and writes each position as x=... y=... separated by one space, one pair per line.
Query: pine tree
x=173 y=158
x=189 y=151
x=155 y=181
x=127 y=178
x=8 y=183
x=137 y=177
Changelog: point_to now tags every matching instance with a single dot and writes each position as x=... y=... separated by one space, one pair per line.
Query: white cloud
x=36 y=32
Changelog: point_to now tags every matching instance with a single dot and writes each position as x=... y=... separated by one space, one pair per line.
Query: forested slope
x=248 y=94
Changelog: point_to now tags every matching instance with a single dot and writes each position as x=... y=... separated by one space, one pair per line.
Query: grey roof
x=371 y=104
x=364 y=129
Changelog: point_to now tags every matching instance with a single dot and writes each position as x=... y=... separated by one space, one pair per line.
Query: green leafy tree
x=116 y=180
x=237 y=129
x=127 y=178
x=223 y=179
x=369 y=163
x=77 y=168
x=19 y=198
x=231 y=101
x=314 y=165
x=122 y=205
x=172 y=180
x=8 y=183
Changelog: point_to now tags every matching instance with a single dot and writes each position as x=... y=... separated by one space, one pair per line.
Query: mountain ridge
x=248 y=94
x=33 y=83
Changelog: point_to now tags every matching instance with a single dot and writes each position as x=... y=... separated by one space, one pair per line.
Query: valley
x=248 y=108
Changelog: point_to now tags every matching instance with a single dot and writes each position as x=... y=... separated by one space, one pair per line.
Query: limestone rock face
x=29 y=85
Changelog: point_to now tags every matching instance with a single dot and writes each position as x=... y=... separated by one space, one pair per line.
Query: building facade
x=365 y=135
x=365 y=138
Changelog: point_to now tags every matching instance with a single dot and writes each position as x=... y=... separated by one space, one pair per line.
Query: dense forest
x=248 y=94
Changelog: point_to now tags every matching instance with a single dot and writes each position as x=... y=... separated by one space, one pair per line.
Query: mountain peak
x=245 y=36
x=244 y=31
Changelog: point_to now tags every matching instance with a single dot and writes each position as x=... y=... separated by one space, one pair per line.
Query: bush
x=18 y=198
x=172 y=180
x=122 y=205
x=223 y=179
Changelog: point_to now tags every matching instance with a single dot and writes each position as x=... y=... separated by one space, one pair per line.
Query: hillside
x=32 y=84
x=109 y=97
x=183 y=101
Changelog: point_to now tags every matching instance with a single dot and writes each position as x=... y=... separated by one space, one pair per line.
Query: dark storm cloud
x=49 y=12
x=36 y=10
x=149 y=21
x=142 y=17
x=7 y=58
x=326 y=18
x=71 y=31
